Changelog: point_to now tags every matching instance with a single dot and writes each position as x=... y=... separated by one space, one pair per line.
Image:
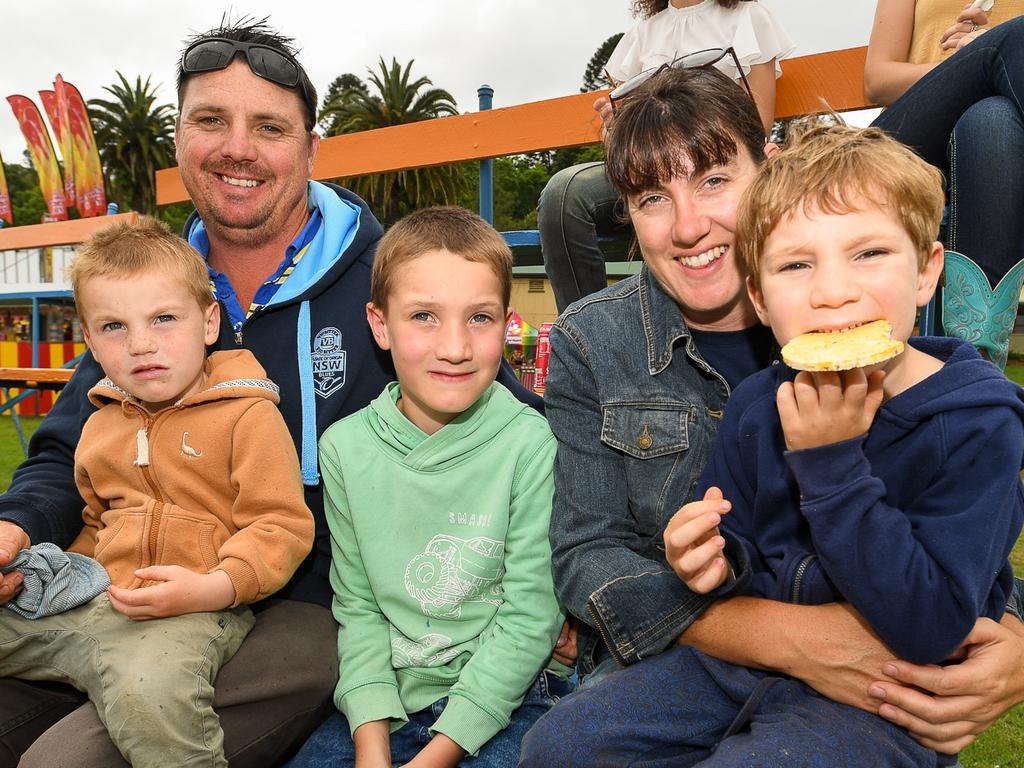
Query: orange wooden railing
x=809 y=84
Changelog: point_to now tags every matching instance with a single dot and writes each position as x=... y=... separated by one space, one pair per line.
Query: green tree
x=594 y=78
x=336 y=94
x=135 y=136
x=175 y=215
x=395 y=98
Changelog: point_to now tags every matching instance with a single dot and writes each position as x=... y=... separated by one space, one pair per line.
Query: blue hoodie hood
x=339 y=225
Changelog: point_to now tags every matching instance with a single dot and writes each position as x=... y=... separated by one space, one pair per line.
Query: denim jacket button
x=644 y=441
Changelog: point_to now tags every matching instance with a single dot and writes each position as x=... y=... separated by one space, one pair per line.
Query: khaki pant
x=151 y=681
x=270 y=697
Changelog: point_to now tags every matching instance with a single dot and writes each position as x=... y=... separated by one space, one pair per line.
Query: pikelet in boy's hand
x=857 y=347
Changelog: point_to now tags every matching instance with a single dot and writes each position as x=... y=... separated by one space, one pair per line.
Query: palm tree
x=135 y=136
x=395 y=99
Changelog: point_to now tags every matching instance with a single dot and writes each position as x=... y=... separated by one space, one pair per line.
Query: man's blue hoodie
x=314 y=342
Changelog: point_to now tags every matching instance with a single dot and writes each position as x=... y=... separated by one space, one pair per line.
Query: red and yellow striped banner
x=89 y=191
x=43 y=157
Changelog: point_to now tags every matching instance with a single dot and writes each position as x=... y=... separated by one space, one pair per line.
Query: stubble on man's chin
x=250 y=232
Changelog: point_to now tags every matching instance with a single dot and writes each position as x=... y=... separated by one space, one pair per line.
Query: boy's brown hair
x=447 y=228
x=130 y=248
x=834 y=169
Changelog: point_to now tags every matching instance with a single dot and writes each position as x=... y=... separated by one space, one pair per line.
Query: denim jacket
x=635 y=410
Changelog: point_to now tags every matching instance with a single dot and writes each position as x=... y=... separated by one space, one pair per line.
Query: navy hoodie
x=314 y=342
x=911 y=524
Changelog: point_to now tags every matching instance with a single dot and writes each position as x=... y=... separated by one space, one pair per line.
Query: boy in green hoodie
x=438 y=498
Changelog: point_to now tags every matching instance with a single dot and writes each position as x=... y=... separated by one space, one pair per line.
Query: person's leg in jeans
x=27 y=709
x=576 y=206
x=274 y=693
x=330 y=746
x=923 y=118
x=605 y=666
x=985 y=233
x=502 y=751
x=932 y=117
x=793 y=725
x=667 y=710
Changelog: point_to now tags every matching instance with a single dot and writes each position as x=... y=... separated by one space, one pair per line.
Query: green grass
x=1002 y=746
x=10 y=447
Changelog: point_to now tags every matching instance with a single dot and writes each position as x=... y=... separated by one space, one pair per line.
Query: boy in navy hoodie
x=893 y=487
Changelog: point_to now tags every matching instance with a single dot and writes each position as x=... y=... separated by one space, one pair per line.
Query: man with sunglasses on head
x=290 y=262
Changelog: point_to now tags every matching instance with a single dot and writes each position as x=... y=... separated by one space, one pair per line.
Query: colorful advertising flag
x=43 y=156
x=57 y=113
x=6 y=215
x=5 y=197
x=92 y=200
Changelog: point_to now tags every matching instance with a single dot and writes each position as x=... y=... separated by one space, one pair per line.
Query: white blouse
x=750 y=28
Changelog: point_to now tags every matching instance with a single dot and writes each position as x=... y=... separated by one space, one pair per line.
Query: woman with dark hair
x=579 y=204
x=638 y=380
x=953 y=81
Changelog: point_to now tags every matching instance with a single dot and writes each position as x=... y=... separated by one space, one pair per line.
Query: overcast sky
x=526 y=50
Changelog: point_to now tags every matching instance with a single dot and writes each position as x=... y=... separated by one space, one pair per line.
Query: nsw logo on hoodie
x=328 y=362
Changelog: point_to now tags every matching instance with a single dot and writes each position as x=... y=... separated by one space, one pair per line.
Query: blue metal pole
x=35 y=332
x=485 y=93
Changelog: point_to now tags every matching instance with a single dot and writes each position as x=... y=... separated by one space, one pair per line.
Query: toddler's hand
x=693 y=546
x=827 y=407
x=181 y=591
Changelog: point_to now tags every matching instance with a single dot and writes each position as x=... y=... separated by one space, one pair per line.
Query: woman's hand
x=970 y=25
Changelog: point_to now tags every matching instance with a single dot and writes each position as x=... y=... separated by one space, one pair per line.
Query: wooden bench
x=806 y=85
x=35 y=378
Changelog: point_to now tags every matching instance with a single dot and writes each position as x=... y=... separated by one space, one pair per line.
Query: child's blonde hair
x=131 y=248
x=833 y=169
x=447 y=228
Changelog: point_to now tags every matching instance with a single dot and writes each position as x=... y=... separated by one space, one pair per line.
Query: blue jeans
x=966 y=117
x=684 y=708
x=332 y=746
x=576 y=206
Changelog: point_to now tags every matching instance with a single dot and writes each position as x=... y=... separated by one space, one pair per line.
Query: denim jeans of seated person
x=684 y=708
x=966 y=117
x=577 y=205
x=332 y=747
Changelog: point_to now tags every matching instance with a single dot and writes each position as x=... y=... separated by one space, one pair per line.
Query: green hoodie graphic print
x=441 y=565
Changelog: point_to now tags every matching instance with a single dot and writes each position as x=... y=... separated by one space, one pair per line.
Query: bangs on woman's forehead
x=653 y=150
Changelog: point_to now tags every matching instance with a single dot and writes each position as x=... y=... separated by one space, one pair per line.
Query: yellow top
x=933 y=17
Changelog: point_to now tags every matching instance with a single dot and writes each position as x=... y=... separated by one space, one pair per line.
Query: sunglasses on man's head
x=215 y=53
x=697 y=60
